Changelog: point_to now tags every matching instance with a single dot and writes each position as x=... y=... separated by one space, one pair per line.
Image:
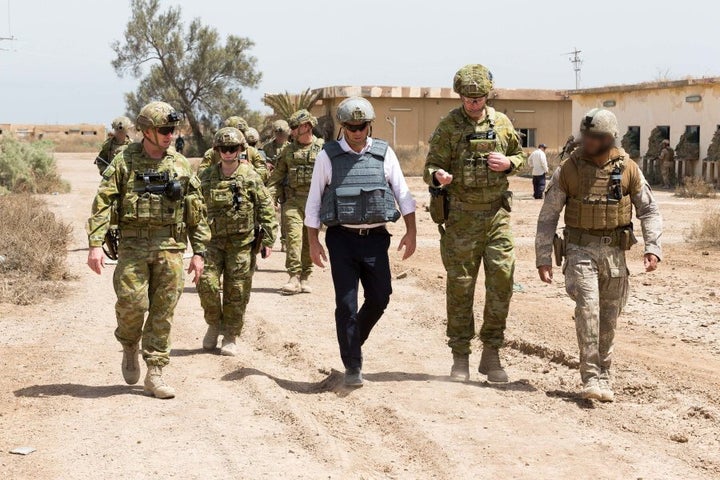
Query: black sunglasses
x=356 y=128
x=229 y=149
x=166 y=130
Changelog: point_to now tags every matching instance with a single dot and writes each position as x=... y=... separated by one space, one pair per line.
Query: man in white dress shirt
x=356 y=188
x=538 y=161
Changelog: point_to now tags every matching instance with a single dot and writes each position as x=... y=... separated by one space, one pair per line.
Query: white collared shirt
x=322 y=176
x=538 y=162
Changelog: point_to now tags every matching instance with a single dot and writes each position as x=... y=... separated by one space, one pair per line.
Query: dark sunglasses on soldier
x=229 y=149
x=166 y=130
x=356 y=128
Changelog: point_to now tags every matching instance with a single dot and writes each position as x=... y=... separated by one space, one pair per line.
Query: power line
x=577 y=64
x=11 y=37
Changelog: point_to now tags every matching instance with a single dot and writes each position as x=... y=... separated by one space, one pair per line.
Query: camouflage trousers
x=152 y=282
x=235 y=265
x=596 y=278
x=667 y=170
x=297 y=246
x=472 y=239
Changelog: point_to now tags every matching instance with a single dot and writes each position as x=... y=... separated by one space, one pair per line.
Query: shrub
x=695 y=187
x=28 y=167
x=412 y=159
x=707 y=230
x=33 y=246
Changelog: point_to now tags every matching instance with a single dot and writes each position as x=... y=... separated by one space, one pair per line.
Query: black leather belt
x=364 y=232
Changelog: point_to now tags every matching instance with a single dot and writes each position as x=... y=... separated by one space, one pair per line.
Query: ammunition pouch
x=439 y=205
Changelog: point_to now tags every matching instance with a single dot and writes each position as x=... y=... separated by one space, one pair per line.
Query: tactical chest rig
x=472 y=154
x=359 y=193
x=230 y=210
x=300 y=166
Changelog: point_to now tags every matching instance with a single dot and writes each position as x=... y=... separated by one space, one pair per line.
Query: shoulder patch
x=109 y=171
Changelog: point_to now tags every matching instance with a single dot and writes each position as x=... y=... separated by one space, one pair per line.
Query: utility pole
x=577 y=64
x=11 y=37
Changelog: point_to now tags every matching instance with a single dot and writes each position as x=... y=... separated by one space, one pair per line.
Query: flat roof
x=377 y=91
x=660 y=85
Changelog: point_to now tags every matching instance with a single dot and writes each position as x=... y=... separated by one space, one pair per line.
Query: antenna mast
x=11 y=37
x=577 y=64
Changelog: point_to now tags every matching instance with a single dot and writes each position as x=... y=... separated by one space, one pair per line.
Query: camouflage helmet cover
x=228 y=137
x=252 y=135
x=281 y=126
x=600 y=121
x=238 y=122
x=300 y=117
x=156 y=115
x=121 y=123
x=355 y=109
x=473 y=80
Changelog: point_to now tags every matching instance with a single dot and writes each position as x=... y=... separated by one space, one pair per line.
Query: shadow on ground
x=77 y=390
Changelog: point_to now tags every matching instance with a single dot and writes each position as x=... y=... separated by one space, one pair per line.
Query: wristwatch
x=200 y=254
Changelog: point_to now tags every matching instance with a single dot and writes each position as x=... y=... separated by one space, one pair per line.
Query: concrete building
x=53 y=132
x=407 y=116
x=687 y=112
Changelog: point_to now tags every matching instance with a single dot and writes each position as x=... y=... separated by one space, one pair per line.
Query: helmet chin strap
x=156 y=141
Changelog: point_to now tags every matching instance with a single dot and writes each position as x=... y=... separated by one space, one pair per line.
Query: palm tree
x=285 y=104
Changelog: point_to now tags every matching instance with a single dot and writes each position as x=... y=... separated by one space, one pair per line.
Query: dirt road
x=278 y=410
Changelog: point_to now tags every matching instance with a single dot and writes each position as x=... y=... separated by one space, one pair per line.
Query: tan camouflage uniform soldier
x=119 y=139
x=293 y=174
x=237 y=202
x=667 y=163
x=160 y=209
x=472 y=152
x=598 y=186
x=211 y=156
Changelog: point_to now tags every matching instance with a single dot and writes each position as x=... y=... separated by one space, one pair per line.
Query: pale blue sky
x=58 y=71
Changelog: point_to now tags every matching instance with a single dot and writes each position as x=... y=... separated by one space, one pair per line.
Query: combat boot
x=155 y=385
x=292 y=287
x=211 y=337
x=228 y=349
x=130 y=364
x=606 y=391
x=460 y=370
x=353 y=377
x=591 y=389
x=490 y=365
x=305 y=284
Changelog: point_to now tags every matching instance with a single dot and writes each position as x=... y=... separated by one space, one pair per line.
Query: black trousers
x=538 y=186
x=355 y=260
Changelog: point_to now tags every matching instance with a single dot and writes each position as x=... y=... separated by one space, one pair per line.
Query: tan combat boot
x=606 y=391
x=211 y=337
x=490 y=365
x=305 y=284
x=460 y=370
x=130 y=364
x=292 y=287
x=155 y=385
x=591 y=390
x=228 y=349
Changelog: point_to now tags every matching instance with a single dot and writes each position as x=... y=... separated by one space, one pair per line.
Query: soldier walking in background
x=212 y=157
x=180 y=144
x=242 y=221
x=539 y=164
x=292 y=175
x=119 y=139
x=472 y=152
x=667 y=163
x=161 y=208
x=281 y=135
x=355 y=186
x=597 y=187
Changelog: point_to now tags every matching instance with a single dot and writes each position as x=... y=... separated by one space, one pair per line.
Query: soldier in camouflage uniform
x=119 y=139
x=472 y=152
x=598 y=186
x=281 y=134
x=257 y=160
x=294 y=171
x=160 y=209
x=238 y=202
x=667 y=163
x=252 y=136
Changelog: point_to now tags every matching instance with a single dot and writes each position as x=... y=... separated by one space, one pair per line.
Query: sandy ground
x=278 y=410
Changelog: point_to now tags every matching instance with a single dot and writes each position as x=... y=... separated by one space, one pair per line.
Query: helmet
x=121 y=123
x=600 y=121
x=237 y=122
x=281 y=126
x=228 y=137
x=156 y=115
x=300 y=117
x=355 y=109
x=473 y=80
x=252 y=135
x=666 y=142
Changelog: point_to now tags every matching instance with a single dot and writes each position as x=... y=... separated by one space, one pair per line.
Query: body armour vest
x=359 y=193
x=230 y=206
x=600 y=202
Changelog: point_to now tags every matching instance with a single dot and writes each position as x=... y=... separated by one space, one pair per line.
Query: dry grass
x=33 y=250
x=707 y=230
x=29 y=167
x=77 y=144
x=695 y=187
x=412 y=159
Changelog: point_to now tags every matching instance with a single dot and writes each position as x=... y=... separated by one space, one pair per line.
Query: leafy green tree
x=186 y=66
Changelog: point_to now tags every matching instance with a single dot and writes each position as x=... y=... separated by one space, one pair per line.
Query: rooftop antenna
x=577 y=64
x=11 y=37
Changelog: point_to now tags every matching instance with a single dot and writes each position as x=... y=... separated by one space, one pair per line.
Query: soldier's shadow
x=333 y=382
x=78 y=391
x=521 y=385
x=572 y=397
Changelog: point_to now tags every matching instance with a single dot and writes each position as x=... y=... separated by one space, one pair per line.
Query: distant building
x=53 y=132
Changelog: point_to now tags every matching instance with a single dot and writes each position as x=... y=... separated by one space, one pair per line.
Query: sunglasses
x=473 y=100
x=230 y=149
x=356 y=128
x=166 y=130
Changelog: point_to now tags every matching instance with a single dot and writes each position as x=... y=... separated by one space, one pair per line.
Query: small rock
x=402 y=275
x=712 y=294
x=679 y=438
x=22 y=451
x=706 y=253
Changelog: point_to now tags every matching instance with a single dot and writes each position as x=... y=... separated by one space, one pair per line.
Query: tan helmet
x=300 y=117
x=666 y=143
x=252 y=136
x=229 y=137
x=600 y=121
x=355 y=109
x=237 y=122
x=281 y=126
x=473 y=81
x=156 y=115
x=122 y=124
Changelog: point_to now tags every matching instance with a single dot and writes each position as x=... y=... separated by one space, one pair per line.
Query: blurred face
x=595 y=144
x=120 y=134
x=281 y=137
x=303 y=129
x=356 y=134
x=474 y=107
